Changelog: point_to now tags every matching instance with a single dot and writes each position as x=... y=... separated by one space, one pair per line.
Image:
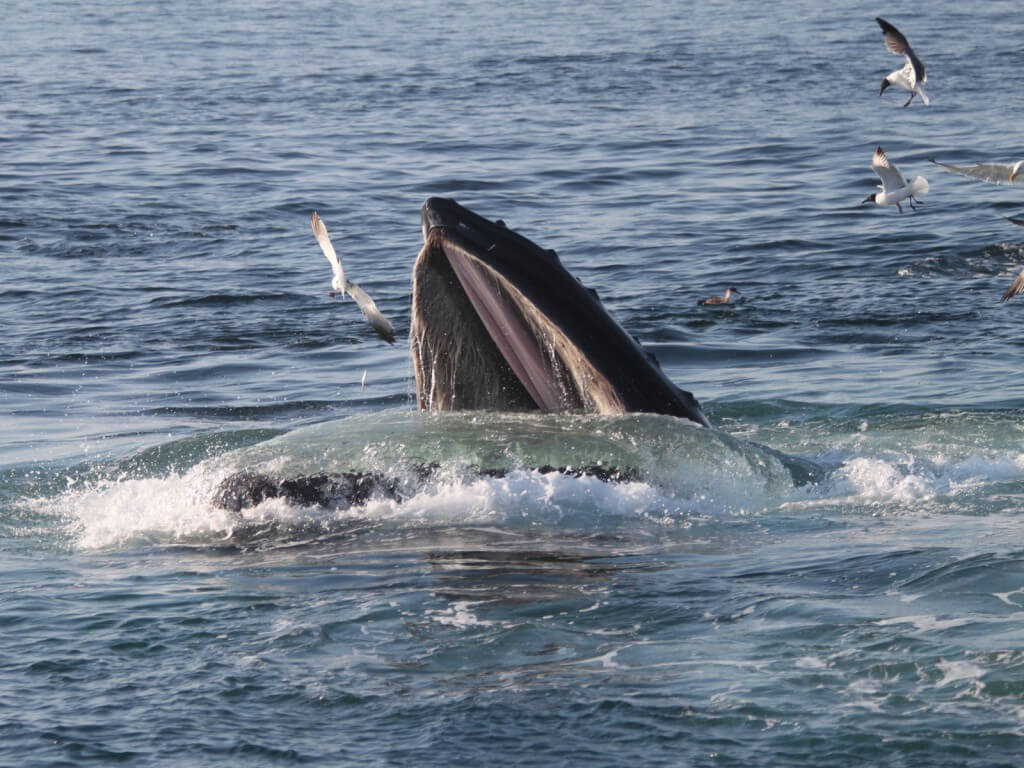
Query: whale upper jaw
x=499 y=324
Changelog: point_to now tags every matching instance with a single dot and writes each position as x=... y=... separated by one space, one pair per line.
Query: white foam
x=120 y=513
x=958 y=671
x=865 y=693
x=871 y=479
x=178 y=508
x=906 y=478
x=810 y=662
x=460 y=615
x=695 y=476
x=924 y=622
x=1005 y=597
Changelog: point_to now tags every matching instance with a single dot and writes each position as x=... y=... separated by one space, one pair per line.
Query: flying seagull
x=340 y=284
x=912 y=74
x=993 y=173
x=894 y=187
x=721 y=299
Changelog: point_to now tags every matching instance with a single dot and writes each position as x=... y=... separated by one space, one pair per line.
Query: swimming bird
x=993 y=173
x=721 y=299
x=341 y=284
x=894 y=187
x=912 y=74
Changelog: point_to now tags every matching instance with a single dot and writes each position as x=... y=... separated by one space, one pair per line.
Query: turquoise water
x=166 y=323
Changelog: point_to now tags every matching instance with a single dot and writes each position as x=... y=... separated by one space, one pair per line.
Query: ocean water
x=166 y=322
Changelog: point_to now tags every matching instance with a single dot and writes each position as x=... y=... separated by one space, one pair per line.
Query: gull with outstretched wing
x=912 y=74
x=894 y=187
x=341 y=284
x=993 y=173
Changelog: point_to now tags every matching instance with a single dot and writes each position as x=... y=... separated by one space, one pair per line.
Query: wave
x=496 y=471
x=487 y=470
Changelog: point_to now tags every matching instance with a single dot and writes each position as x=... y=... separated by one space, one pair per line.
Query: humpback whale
x=499 y=324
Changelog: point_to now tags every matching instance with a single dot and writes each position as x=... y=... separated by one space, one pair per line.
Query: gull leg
x=912 y=94
x=910 y=202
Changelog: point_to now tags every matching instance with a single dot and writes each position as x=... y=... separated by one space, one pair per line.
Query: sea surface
x=166 y=321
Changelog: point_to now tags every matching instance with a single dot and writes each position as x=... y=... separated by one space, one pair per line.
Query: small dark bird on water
x=721 y=299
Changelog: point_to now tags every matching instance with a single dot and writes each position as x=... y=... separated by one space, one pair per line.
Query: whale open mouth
x=498 y=323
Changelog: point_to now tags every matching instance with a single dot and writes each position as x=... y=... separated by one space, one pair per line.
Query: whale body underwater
x=499 y=324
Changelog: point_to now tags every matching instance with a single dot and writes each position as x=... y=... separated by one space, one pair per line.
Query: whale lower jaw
x=499 y=324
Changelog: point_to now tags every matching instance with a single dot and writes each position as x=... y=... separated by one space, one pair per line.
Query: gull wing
x=889 y=174
x=370 y=312
x=1016 y=287
x=993 y=173
x=320 y=232
x=897 y=43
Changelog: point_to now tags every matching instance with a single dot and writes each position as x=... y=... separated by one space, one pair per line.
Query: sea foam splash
x=177 y=509
x=684 y=475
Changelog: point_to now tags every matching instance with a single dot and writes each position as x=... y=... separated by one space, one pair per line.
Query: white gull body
x=895 y=188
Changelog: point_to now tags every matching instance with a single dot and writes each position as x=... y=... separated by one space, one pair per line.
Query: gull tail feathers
x=924 y=97
x=919 y=187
